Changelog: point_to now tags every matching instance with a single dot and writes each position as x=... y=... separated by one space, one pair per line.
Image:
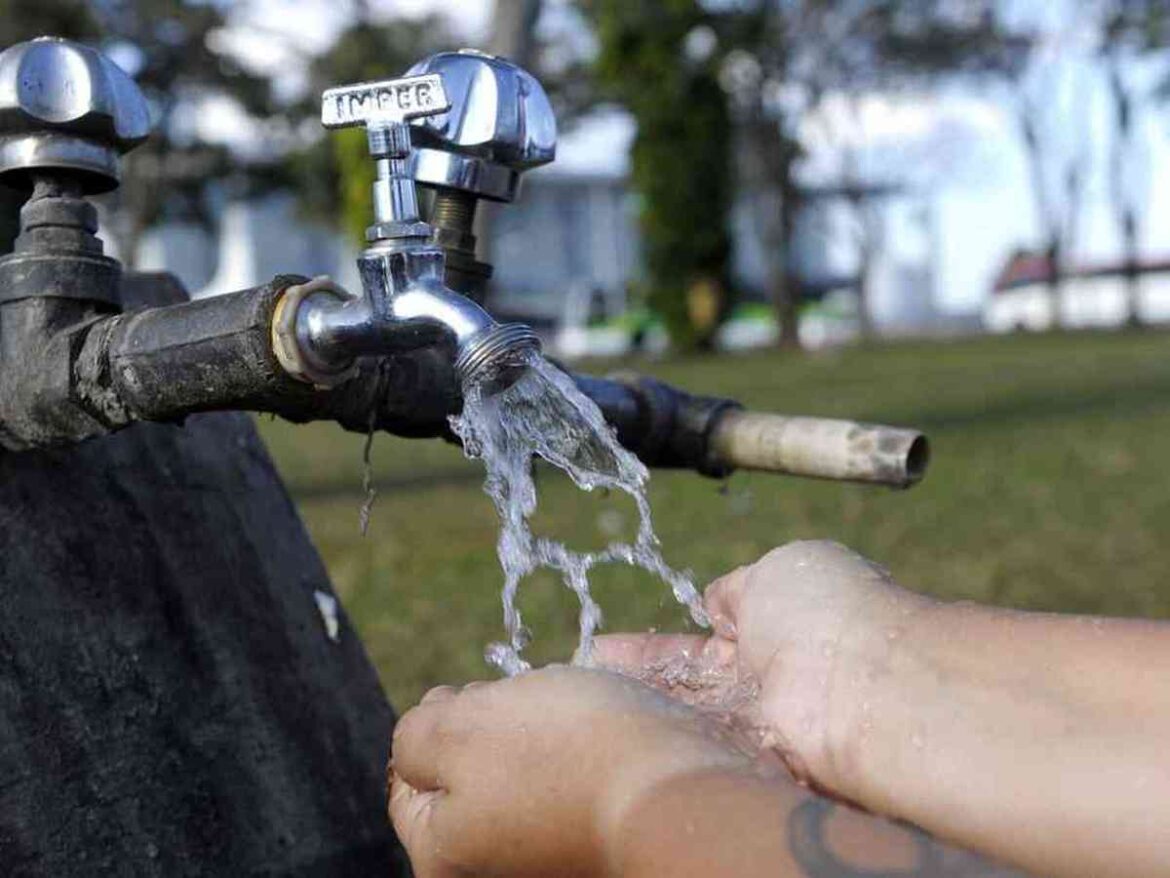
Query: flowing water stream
x=544 y=414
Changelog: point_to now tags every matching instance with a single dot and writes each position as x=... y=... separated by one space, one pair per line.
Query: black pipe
x=97 y=375
x=210 y=354
x=69 y=371
x=666 y=427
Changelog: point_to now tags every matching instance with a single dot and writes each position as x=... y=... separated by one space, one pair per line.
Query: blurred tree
x=783 y=58
x=657 y=59
x=513 y=36
x=1131 y=30
x=513 y=33
x=776 y=61
x=174 y=52
x=21 y=20
x=1046 y=88
x=334 y=175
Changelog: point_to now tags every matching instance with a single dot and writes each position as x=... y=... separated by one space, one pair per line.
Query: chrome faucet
x=500 y=125
x=322 y=331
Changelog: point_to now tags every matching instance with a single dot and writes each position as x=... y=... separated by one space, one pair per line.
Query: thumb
x=413 y=814
x=723 y=599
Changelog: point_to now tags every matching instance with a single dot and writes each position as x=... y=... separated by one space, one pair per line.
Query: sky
x=959 y=148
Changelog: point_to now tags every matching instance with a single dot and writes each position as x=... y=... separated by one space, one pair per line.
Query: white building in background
x=254 y=241
x=1091 y=297
x=566 y=257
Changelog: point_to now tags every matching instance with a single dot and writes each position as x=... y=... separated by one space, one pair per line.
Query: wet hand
x=800 y=638
x=532 y=776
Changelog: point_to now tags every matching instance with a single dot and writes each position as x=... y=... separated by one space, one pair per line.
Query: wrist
x=875 y=684
x=634 y=798
x=707 y=822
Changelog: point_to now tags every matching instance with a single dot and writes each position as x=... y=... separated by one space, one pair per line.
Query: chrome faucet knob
x=500 y=125
x=66 y=107
x=384 y=108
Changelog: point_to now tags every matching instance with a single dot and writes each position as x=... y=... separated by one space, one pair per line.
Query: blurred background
x=948 y=214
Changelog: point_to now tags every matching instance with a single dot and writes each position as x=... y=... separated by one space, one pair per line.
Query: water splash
x=544 y=414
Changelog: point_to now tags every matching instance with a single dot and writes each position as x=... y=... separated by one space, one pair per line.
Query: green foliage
x=681 y=158
x=355 y=180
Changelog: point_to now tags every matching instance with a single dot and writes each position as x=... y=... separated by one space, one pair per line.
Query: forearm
x=1039 y=739
x=728 y=823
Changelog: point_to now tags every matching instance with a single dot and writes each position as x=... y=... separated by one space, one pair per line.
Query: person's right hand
x=801 y=640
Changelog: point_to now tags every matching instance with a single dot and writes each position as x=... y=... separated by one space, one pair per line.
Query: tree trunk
x=1047 y=214
x=1132 y=273
x=1054 y=255
x=1126 y=209
x=865 y=327
x=514 y=29
x=512 y=37
x=869 y=237
x=784 y=290
x=788 y=295
x=766 y=162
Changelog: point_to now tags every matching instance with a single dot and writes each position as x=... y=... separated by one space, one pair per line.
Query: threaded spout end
x=496 y=357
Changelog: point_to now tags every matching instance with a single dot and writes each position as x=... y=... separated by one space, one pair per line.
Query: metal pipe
x=820 y=448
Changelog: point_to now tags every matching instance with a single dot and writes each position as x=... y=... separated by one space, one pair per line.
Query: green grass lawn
x=1049 y=489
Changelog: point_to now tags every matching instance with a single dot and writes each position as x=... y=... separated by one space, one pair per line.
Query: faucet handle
x=500 y=125
x=379 y=104
x=66 y=109
x=385 y=108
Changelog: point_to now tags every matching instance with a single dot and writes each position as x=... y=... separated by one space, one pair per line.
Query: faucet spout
x=405 y=306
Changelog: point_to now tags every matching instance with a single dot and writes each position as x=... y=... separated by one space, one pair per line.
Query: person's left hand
x=531 y=776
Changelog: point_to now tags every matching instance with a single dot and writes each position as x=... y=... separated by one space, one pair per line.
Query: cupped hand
x=532 y=775
x=800 y=639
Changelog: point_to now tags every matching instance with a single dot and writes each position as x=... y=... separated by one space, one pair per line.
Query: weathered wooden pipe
x=821 y=448
x=667 y=427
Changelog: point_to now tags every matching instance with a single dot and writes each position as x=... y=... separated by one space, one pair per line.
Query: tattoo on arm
x=814 y=854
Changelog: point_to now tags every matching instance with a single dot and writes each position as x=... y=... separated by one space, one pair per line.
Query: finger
x=416 y=750
x=635 y=653
x=413 y=812
x=722 y=601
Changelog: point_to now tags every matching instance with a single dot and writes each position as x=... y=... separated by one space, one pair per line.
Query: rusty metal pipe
x=820 y=448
